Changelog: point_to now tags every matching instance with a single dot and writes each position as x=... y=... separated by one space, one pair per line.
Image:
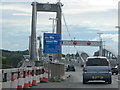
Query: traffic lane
x=72 y=85
x=76 y=80
x=75 y=85
x=75 y=76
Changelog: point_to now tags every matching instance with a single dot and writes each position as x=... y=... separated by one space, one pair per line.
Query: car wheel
x=116 y=73
x=109 y=81
x=84 y=81
x=82 y=65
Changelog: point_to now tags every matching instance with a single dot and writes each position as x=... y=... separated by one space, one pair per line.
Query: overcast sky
x=85 y=18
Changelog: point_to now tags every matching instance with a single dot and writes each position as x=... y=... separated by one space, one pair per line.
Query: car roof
x=70 y=64
x=97 y=57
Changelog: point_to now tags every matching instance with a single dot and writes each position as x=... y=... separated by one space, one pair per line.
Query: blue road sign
x=51 y=43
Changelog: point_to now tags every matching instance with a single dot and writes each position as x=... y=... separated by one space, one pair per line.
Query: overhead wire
x=68 y=31
x=67 y=28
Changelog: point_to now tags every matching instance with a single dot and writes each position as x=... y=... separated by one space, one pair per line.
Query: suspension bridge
x=37 y=68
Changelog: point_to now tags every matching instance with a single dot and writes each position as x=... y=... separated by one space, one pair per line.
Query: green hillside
x=11 y=58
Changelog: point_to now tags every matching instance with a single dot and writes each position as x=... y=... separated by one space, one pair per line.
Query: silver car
x=97 y=68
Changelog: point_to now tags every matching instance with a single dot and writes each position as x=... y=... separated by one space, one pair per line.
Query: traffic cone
x=34 y=79
x=19 y=87
x=41 y=78
x=44 y=79
x=29 y=80
x=26 y=84
x=12 y=81
x=46 y=76
x=41 y=75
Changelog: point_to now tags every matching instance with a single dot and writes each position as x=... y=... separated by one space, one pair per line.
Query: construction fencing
x=27 y=77
x=22 y=77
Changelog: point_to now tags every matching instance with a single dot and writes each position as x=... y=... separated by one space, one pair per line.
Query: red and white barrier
x=44 y=78
x=46 y=75
x=13 y=78
x=29 y=79
x=34 y=82
x=12 y=81
x=19 y=86
x=26 y=83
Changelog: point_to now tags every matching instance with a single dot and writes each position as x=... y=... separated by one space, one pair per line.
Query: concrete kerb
x=66 y=76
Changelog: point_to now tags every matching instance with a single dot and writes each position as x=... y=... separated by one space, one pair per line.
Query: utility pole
x=74 y=49
x=53 y=24
x=118 y=48
x=101 y=46
x=118 y=41
x=40 y=48
x=53 y=30
x=42 y=39
x=29 y=44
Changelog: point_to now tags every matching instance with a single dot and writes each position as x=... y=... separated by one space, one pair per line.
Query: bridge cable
x=68 y=31
x=70 y=34
x=66 y=26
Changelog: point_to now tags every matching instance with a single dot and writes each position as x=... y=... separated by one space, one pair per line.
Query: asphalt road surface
x=75 y=81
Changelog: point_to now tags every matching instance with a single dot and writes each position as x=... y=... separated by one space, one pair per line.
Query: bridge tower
x=44 y=7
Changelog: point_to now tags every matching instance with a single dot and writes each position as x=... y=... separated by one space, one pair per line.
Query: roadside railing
x=26 y=76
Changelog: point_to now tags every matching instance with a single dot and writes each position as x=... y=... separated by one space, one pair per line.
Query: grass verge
x=56 y=79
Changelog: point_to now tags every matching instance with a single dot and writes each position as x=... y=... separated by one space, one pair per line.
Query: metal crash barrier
x=56 y=70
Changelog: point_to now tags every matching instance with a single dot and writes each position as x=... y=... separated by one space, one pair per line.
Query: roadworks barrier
x=19 y=86
x=26 y=83
x=44 y=78
x=12 y=81
x=29 y=79
x=34 y=82
x=20 y=78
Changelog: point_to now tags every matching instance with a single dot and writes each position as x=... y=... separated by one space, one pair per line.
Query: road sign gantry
x=80 y=43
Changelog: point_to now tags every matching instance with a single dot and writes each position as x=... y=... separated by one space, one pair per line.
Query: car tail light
x=109 y=70
x=84 y=70
x=86 y=63
x=108 y=62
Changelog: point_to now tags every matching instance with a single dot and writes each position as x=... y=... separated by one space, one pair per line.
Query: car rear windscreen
x=97 y=62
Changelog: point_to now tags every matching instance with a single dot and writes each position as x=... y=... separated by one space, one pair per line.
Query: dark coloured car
x=70 y=68
x=115 y=70
x=114 y=66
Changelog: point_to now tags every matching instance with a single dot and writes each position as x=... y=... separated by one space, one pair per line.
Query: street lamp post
x=101 y=46
x=74 y=49
x=44 y=31
x=53 y=24
x=40 y=48
x=118 y=50
x=43 y=37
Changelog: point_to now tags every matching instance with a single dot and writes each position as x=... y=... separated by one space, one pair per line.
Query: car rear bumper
x=70 y=70
x=114 y=70
x=97 y=76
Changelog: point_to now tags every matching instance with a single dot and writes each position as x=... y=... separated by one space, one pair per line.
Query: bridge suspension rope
x=68 y=31
x=66 y=26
